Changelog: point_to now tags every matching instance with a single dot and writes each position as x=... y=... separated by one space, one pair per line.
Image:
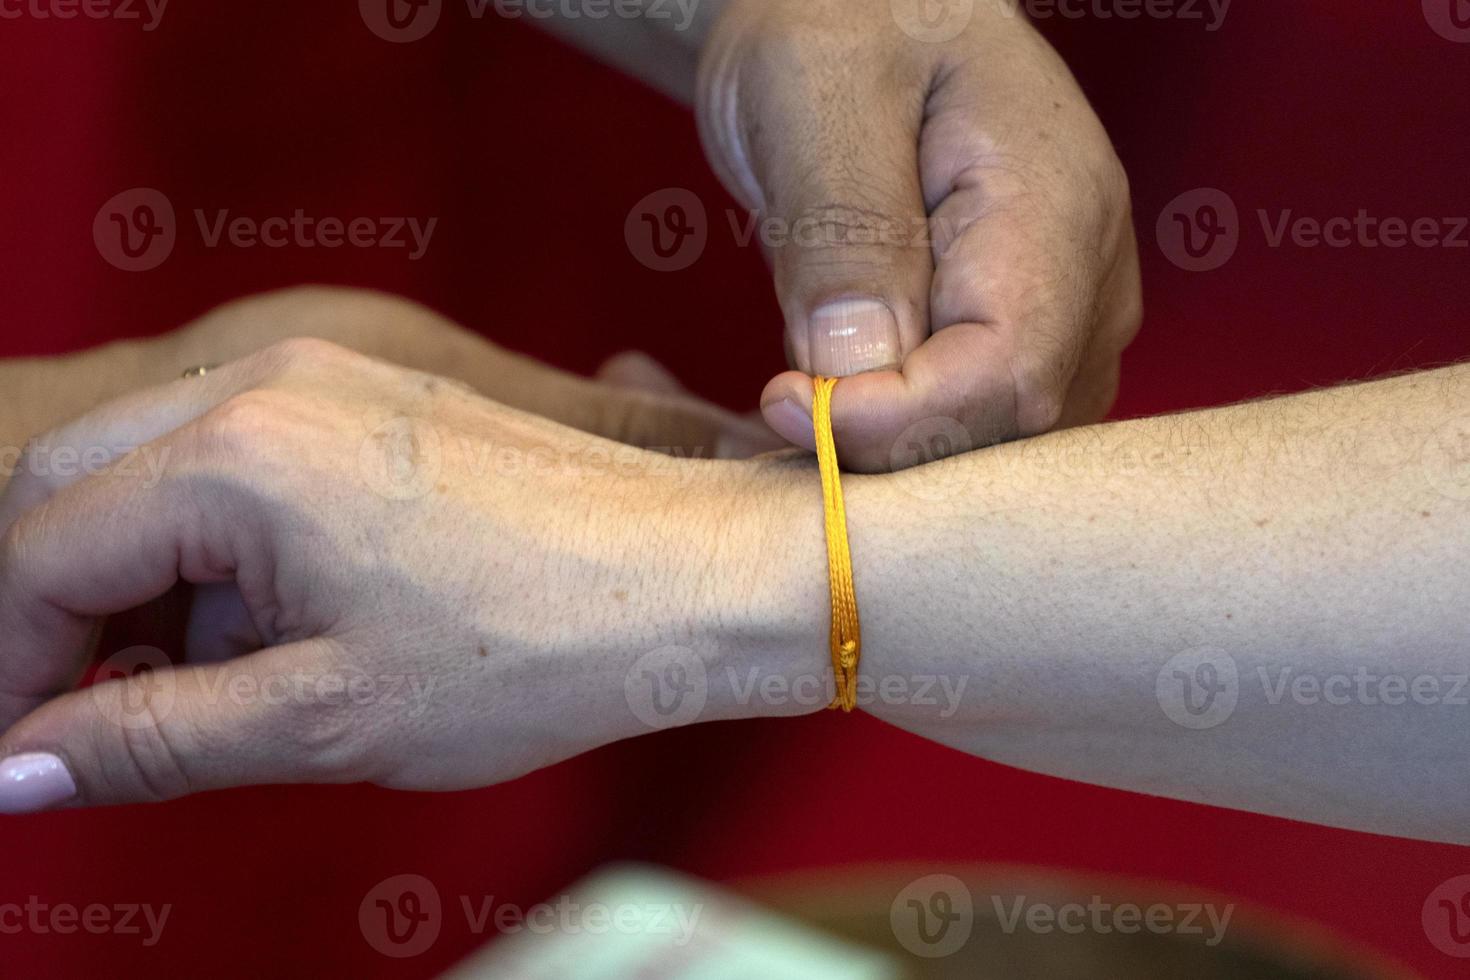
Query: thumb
x=271 y=717
x=834 y=156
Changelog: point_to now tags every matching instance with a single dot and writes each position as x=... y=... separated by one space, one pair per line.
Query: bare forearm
x=1261 y=606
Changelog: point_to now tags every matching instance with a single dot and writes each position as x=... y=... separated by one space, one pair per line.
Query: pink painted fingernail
x=34 y=781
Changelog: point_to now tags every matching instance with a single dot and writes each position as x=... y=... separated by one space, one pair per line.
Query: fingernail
x=792 y=422
x=34 y=781
x=851 y=336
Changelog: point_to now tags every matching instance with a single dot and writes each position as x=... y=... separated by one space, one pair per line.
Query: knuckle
x=863 y=234
x=840 y=224
x=329 y=731
x=27 y=565
x=1130 y=317
x=10 y=555
x=151 y=761
x=333 y=744
x=1040 y=395
x=305 y=354
x=245 y=424
x=1102 y=181
x=1115 y=193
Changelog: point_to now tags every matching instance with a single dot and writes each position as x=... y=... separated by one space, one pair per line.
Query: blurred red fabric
x=531 y=157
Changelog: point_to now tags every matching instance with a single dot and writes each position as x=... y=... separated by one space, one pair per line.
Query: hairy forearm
x=1058 y=604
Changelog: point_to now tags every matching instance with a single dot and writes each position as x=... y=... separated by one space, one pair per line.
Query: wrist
x=929 y=621
x=747 y=590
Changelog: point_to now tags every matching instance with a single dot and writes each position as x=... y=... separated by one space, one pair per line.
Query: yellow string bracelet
x=847 y=640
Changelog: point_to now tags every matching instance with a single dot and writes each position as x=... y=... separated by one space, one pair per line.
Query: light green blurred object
x=658 y=924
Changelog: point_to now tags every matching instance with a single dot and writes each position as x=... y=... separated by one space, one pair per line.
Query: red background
x=532 y=157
